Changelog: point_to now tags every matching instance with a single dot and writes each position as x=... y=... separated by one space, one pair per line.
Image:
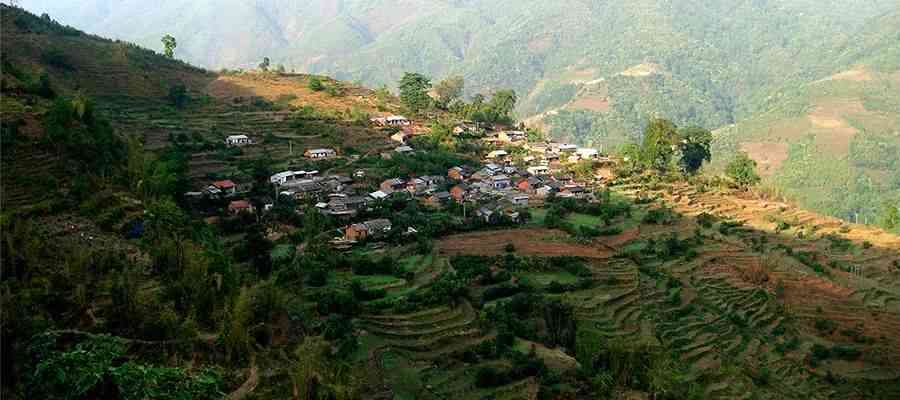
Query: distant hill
x=587 y=71
x=45 y=62
x=728 y=52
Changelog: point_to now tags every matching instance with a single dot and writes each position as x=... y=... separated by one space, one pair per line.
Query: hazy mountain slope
x=833 y=144
x=733 y=49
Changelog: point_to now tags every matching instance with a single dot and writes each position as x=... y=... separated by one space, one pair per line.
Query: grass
x=538 y=215
x=416 y=262
x=545 y=278
x=377 y=280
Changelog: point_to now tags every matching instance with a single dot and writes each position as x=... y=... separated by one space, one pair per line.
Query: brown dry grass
x=769 y=156
x=528 y=242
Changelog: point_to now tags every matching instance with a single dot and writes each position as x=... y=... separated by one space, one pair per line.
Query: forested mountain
x=588 y=71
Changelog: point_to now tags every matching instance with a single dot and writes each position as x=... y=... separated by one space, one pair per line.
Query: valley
x=171 y=232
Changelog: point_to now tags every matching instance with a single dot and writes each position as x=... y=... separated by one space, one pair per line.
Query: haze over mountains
x=588 y=71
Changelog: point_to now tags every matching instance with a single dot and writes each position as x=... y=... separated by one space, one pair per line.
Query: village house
x=492 y=214
x=392 y=185
x=378 y=195
x=464 y=128
x=225 y=187
x=375 y=228
x=529 y=185
x=538 y=170
x=584 y=153
x=438 y=199
x=500 y=182
x=239 y=206
x=459 y=173
x=286 y=177
x=400 y=137
x=518 y=199
x=433 y=179
x=512 y=136
x=319 y=153
x=566 y=148
x=403 y=149
x=459 y=192
x=238 y=140
x=497 y=154
x=392 y=120
x=300 y=190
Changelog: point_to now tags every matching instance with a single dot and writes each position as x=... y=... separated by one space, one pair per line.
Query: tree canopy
x=169 y=45
x=449 y=90
x=742 y=169
x=414 y=91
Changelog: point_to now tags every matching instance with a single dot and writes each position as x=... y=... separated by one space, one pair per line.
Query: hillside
x=549 y=46
x=126 y=278
x=831 y=145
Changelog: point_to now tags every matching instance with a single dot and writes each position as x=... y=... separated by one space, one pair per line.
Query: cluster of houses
x=498 y=191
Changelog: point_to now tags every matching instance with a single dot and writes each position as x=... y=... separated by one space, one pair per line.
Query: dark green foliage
x=71 y=125
x=57 y=58
x=659 y=216
x=487 y=377
x=820 y=353
x=315 y=84
x=96 y=368
x=561 y=324
x=706 y=220
x=825 y=326
x=178 y=95
x=414 y=91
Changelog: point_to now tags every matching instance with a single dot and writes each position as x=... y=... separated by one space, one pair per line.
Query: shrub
x=706 y=220
x=509 y=248
x=315 y=84
x=825 y=325
x=488 y=377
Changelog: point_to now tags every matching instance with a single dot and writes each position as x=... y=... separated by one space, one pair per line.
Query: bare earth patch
x=590 y=103
x=856 y=75
x=769 y=156
x=528 y=242
x=641 y=70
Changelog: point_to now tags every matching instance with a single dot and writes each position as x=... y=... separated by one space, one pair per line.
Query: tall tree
x=264 y=65
x=414 y=91
x=448 y=90
x=742 y=170
x=503 y=102
x=659 y=144
x=169 y=45
x=694 y=148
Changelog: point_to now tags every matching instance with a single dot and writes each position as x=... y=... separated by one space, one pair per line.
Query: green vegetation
x=742 y=170
x=169 y=45
x=414 y=91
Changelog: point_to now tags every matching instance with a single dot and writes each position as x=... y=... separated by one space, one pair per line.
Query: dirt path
x=248 y=386
x=528 y=242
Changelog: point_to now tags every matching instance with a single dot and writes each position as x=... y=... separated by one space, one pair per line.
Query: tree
x=178 y=95
x=414 y=91
x=315 y=84
x=742 y=170
x=890 y=216
x=694 y=148
x=169 y=44
x=659 y=144
x=448 y=90
x=264 y=65
x=503 y=103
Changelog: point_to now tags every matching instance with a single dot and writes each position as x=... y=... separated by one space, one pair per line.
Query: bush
x=509 y=248
x=315 y=84
x=488 y=377
x=658 y=216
